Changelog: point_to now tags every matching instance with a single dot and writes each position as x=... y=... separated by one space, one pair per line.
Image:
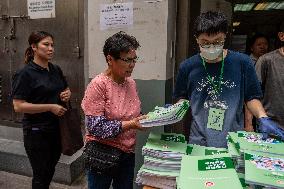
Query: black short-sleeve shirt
x=37 y=85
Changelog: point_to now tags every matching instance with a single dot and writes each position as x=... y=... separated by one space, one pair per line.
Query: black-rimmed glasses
x=209 y=44
x=129 y=60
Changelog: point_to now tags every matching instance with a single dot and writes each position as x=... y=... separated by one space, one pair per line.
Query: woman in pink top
x=112 y=108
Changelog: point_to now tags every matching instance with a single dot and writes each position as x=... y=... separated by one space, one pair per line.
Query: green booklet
x=253 y=141
x=197 y=150
x=174 y=137
x=232 y=150
x=243 y=182
x=165 y=146
x=165 y=116
x=264 y=169
x=213 y=171
x=164 y=113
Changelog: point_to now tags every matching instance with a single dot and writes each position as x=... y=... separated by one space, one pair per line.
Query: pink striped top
x=115 y=101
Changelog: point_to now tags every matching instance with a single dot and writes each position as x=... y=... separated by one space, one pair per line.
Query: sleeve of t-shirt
x=252 y=85
x=181 y=83
x=21 y=88
x=93 y=102
x=261 y=70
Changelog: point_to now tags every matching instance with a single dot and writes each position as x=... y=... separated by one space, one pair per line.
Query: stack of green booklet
x=237 y=157
x=253 y=141
x=157 y=178
x=212 y=171
x=162 y=164
x=264 y=169
x=243 y=181
x=166 y=115
x=162 y=157
x=242 y=143
x=165 y=146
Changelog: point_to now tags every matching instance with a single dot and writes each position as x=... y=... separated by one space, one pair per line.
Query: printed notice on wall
x=117 y=15
x=41 y=9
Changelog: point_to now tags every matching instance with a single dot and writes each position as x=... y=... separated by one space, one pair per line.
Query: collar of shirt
x=38 y=67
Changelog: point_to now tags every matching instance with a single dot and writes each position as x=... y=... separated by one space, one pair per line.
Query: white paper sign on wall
x=41 y=9
x=116 y=15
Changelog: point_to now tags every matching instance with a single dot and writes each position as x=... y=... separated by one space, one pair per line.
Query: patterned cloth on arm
x=100 y=127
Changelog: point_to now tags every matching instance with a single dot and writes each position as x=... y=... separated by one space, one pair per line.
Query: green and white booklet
x=165 y=146
x=163 y=151
x=197 y=150
x=237 y=157
x=243 y=181
x=162 y=157
x=164 y=116
x=253 y=141
x=203 y=172
x=264 y=169
x=239 y=142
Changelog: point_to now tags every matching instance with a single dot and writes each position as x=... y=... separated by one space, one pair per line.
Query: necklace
x=217 y=88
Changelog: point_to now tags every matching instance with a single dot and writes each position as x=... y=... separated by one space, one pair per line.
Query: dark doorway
x=252 y=17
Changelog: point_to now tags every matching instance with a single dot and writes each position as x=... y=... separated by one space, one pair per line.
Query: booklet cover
x=203 y=172
x=254 y=142
x=165 y=145
x=264 y=169
x=166 y=137
x=232 y=150
x=197 y=150
x=243 y=182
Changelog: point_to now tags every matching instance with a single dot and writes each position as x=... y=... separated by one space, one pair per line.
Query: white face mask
x=211 y=53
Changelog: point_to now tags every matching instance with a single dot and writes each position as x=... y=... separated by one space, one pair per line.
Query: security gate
x=15 y=28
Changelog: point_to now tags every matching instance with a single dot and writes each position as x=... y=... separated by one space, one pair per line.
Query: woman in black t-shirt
x=38 y=90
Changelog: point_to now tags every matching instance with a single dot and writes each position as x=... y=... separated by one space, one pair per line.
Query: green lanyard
x=217 y=88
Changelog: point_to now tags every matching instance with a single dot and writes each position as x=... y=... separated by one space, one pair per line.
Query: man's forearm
x=248 y=120
x=256 y=108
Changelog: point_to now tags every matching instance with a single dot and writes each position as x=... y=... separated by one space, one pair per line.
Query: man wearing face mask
x=270 y=71
x=218 y=82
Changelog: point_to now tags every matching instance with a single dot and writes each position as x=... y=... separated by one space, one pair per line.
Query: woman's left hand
x=65 y=95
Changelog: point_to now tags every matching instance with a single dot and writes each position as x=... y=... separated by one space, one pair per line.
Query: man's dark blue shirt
x=239 y=85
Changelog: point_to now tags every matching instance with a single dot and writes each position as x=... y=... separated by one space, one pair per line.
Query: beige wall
x=151 y=28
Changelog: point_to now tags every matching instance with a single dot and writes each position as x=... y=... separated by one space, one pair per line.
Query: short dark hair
x=251 y=40
x=119 y=42
x=255 y=37
x=211 y=23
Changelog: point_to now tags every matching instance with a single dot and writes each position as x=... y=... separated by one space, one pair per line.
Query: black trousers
x=43 y=150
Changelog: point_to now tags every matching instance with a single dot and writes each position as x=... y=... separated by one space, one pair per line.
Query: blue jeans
x=122 y=181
